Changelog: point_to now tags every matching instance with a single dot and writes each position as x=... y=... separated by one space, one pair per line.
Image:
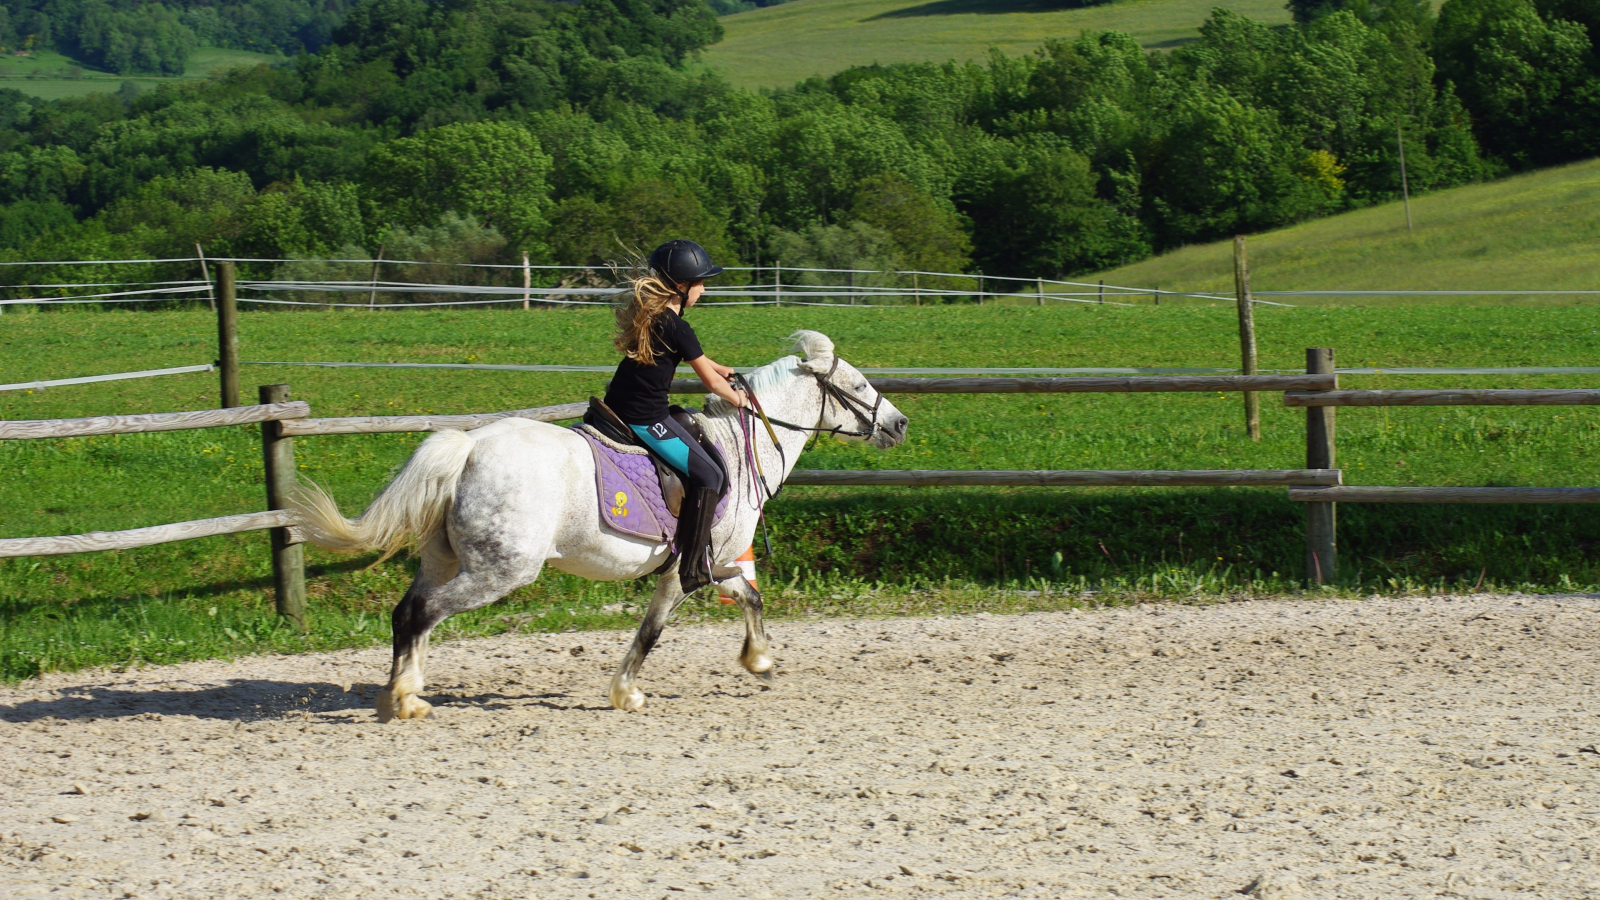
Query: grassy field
x=836 y=550
x=779 y=45
x=50 y=76
x=1539 y=231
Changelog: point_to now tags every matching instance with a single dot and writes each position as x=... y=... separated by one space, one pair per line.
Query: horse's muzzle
x=892 y=433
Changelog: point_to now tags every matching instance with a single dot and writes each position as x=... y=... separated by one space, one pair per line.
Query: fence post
x=1321 y=518
x=852 y=277
x=527 y=280
x=228 y=333
x=288 y=559
x=1247 y=334
x=1102 y=291
x=211 y=293
x=777 y=282
x=1040 y=285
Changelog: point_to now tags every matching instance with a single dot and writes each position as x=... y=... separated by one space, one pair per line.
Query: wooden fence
x=1319 y=484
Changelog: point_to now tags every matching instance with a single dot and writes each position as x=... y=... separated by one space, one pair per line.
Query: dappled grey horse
x=492 y=506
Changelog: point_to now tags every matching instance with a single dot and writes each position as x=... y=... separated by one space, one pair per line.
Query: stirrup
x=694 y=577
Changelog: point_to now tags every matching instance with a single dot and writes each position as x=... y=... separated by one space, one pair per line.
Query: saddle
x=601 y=418
x=639 y=493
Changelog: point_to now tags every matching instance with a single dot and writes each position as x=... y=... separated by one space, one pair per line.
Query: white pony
x=492 y=506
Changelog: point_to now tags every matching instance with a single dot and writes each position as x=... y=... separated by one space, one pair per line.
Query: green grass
x=51 y=76
x=1539 y=231
x=780 y=45
x=877 y=550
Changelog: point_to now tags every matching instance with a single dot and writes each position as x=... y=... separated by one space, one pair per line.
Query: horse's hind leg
x=756 y=656
x=398 y=699
x=625 y=695
x=430 y=602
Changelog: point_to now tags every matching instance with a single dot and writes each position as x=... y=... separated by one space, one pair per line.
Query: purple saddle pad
x=629 y=492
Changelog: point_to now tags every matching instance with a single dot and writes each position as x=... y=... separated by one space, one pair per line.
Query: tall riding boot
x=695 y=519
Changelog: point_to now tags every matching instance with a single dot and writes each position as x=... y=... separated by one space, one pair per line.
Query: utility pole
x=1405 y=189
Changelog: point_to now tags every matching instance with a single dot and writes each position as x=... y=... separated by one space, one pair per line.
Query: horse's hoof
x=413 y=707
x=629 y=699
x=759 y=665
x=409 y=706
x=387 y=710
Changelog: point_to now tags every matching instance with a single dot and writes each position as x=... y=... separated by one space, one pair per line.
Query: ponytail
x=648 y=297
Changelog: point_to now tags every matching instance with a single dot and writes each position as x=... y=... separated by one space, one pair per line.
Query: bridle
x=866 y=416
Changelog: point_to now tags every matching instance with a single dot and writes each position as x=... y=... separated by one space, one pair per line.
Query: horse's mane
x=762 y=381
x=773 y=374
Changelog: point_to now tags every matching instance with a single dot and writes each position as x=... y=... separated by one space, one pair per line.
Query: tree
x=923 y=234
x=492 y=171
x=1044 y=216
x=1526 y=81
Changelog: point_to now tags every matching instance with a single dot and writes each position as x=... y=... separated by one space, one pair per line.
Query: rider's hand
x=724 y=371
x=740 y=399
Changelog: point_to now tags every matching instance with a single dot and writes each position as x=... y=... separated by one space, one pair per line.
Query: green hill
x=1539 y=231
x=779 y=45
x=50 y=76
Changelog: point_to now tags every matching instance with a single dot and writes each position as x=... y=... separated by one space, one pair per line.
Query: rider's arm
x=716 y=381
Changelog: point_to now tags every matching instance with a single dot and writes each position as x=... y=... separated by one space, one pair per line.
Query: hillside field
x=779 y=45
x=836 y=550
x=1539 y=231
x=50 y=76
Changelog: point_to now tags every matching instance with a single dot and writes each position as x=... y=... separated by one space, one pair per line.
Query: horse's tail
x=414 y=503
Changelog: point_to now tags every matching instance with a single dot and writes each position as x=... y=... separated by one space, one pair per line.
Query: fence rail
x=1560 y=397
x=143 y=537
x=1066 y=477
x=1383 y=494
x=1132 y=384
x=401 y=424
x=25 y=429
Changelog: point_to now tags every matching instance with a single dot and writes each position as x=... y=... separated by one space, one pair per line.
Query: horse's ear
x=816 y=351
x=817 y=365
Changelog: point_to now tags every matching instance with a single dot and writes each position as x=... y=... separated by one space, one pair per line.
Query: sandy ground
x=1380 y=748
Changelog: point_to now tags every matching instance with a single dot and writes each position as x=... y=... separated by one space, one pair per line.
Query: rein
x=866 y=415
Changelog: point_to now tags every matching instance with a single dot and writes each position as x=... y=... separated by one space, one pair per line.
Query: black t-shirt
x=639 y=393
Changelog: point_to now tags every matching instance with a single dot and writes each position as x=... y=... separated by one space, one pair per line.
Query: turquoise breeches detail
x=672 y=449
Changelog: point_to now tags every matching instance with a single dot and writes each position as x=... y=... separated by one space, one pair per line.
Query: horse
x=489 y=508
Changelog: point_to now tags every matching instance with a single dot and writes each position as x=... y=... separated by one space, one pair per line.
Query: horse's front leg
x=625 y=695
x=756 y=656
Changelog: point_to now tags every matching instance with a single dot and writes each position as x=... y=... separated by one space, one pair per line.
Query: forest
x=580 y=132
x=156 y=38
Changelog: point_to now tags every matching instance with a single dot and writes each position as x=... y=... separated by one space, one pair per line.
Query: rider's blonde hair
x=647 y=297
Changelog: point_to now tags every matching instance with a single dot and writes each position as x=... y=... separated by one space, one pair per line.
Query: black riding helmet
x=683 y=262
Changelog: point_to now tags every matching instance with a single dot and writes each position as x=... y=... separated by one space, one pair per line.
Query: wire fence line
x=93 y=379
x=593 y=286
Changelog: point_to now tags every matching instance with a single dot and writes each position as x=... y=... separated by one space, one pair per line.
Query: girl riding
x=654 y=338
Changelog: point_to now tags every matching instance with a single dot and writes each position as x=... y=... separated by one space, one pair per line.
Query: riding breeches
x=679 y=448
